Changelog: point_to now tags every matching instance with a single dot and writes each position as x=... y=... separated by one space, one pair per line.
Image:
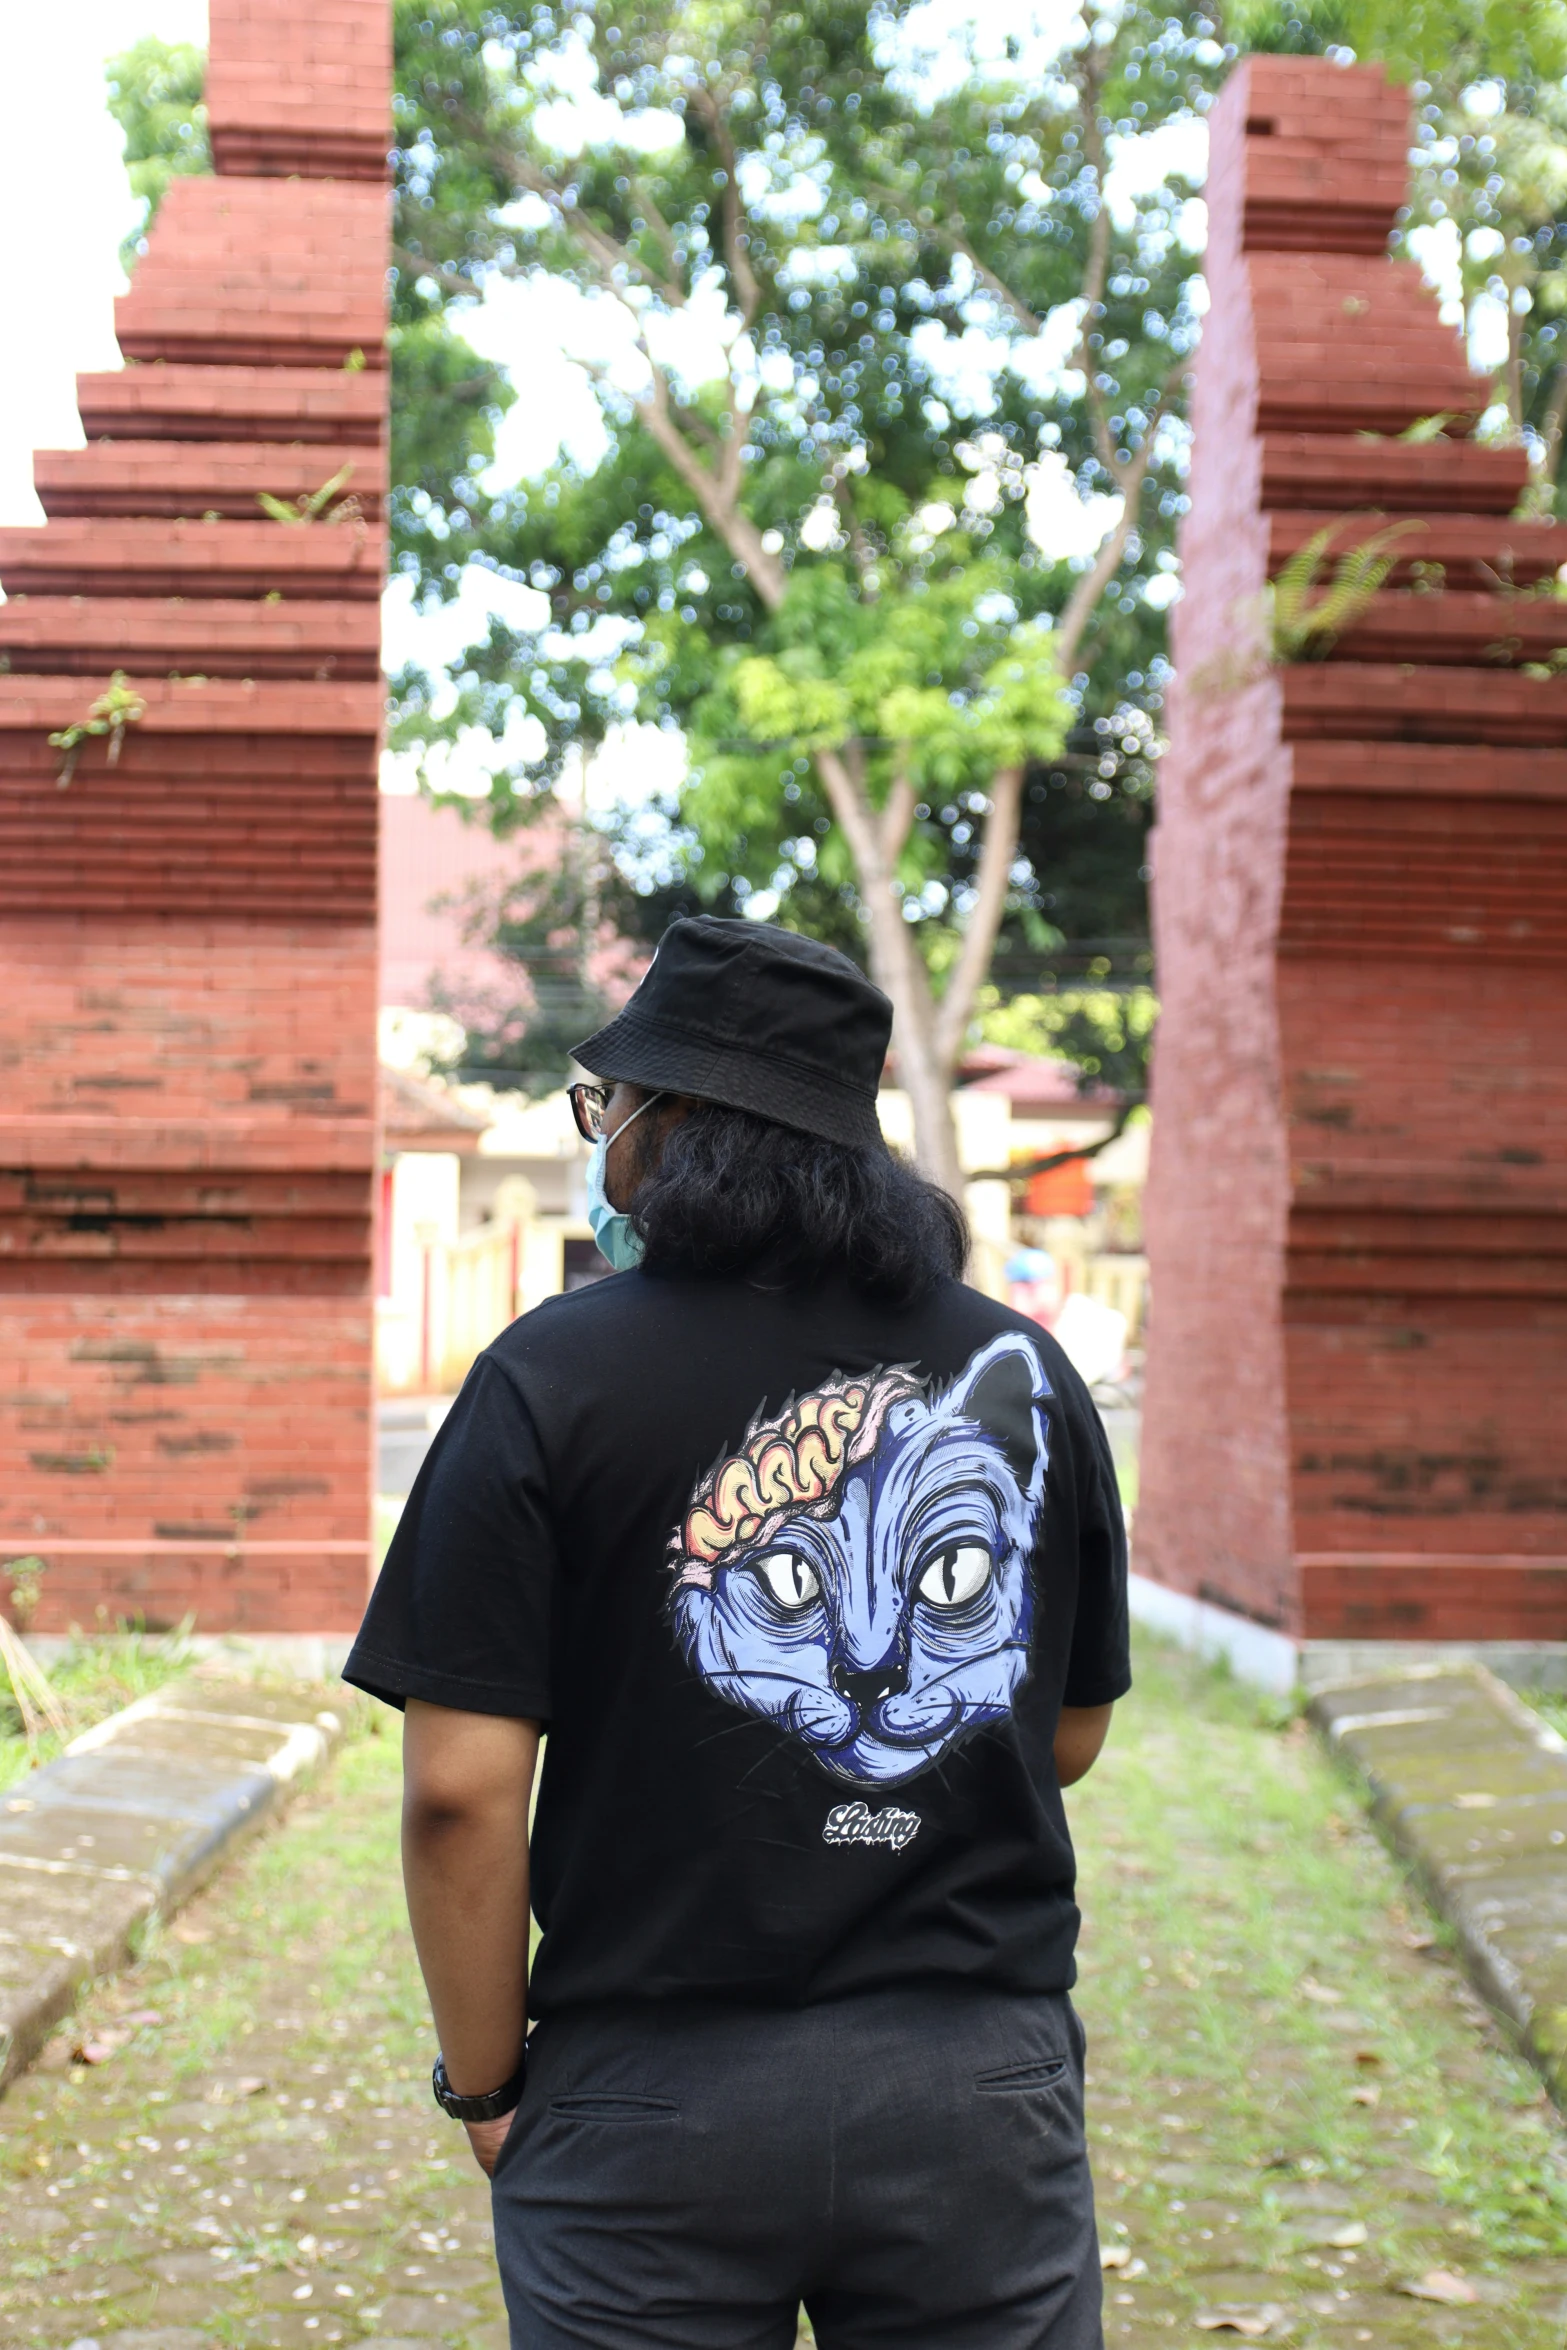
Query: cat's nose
x=888 y=1679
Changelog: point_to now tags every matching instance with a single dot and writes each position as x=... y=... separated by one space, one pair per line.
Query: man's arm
x=467 y=1779
x=1080 y=1735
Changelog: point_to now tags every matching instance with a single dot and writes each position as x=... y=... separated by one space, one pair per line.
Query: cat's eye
x=957 y=1575
x=787 y=1576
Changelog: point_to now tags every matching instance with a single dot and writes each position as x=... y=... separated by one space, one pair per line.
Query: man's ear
x=1004 y=1389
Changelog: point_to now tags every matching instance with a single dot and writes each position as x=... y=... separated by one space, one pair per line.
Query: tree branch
x=722 y=510
x=670 y=426
x=1093 y=582
x=956 y=242
x=899 y=968
x=1043 y=1163
x=1096 y=268
x=450 y=281
x=732 y=228
x=606 y=253
x=897 y=817
x=998 y=846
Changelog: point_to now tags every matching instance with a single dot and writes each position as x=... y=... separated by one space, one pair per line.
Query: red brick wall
x=186 y=1453
x=187 y=928
x=1357 y=1214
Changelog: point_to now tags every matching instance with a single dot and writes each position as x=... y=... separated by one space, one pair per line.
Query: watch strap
x=487 y=2108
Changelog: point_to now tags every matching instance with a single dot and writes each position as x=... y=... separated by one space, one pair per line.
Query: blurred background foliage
x=858 y=243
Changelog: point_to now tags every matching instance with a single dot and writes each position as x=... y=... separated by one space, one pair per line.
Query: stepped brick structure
x=1358 y=1207
x=188 y=918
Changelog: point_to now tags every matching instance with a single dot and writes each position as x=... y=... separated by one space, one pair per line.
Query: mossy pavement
x=1296 y=2106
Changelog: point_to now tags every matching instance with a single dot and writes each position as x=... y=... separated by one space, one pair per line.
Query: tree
x=811 y=560
x=155 y=92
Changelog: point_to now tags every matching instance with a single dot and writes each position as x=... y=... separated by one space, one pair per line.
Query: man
x=810 y=1561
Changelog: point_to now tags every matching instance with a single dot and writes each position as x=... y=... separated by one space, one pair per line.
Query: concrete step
x=133 y=1817
x=1470 y=1786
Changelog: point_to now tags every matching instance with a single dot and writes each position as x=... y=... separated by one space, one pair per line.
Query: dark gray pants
x=910 y=2164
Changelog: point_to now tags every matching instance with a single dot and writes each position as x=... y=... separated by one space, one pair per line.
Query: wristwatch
x=488 y=2108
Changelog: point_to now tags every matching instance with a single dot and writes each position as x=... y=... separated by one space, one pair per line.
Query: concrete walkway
x=129 y=1821
x=1471 y=1786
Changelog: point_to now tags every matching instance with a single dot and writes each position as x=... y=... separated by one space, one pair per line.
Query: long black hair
x=733 y=1193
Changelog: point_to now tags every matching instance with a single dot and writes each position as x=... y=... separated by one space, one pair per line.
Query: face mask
x=615 y=1236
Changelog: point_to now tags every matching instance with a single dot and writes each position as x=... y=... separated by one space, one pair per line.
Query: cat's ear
x=1003 y=1387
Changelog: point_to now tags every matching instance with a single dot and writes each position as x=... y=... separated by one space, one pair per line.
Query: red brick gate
x=1358 y=1207
x=187 y=929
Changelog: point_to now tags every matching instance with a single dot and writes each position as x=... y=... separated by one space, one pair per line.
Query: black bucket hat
x=756 y=1018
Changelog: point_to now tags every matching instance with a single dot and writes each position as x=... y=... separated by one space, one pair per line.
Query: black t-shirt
x=799 y=1583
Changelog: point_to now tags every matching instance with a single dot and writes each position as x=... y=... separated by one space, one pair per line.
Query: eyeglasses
x=588 y=1105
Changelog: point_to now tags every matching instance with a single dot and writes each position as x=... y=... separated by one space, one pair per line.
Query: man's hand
x=487 y=2139
x=466 y=1783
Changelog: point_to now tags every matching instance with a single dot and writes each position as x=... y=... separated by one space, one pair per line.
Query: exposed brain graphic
x=859 y=1571
x=787 y=1464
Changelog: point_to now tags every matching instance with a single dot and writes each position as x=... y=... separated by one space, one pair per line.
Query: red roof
x=1034 y=1084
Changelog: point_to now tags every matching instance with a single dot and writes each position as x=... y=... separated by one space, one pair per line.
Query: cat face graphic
x=859 y=1573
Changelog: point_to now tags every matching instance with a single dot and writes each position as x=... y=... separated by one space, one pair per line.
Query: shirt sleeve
x=460 y=1615
x=1099 y=1669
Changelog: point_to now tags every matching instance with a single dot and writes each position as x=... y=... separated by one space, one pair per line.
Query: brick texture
x=188 y=927
x=312 y=99
x=1357 y=1211
x=193 y=480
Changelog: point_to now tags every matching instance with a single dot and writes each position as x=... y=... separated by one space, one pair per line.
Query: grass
x=1551 y=1705
x=95 y=1677
x=1283 y=2051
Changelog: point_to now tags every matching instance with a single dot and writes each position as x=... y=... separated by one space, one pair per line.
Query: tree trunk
x=897 y=968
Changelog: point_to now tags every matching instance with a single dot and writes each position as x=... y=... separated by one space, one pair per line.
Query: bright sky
x=64 y=162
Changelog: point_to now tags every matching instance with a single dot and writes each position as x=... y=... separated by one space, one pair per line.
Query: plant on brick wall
x=1305 y=615
x=1301 y=614
x=112 y=713
x=314 y=505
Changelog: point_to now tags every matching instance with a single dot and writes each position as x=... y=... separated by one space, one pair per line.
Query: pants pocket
x=1038 y=2073
x=613 y=2106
